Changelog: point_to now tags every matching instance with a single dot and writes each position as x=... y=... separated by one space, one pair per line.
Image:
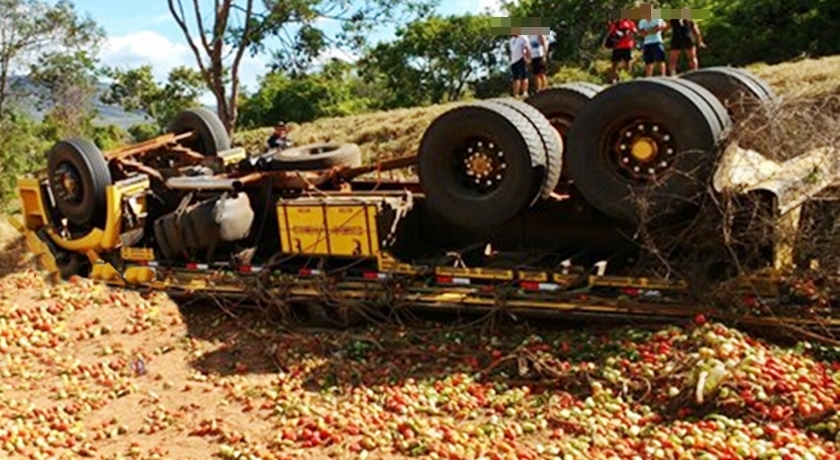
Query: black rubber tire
x=72 y=264
x=164 y=249
x=763 y=85
x=682 y=111
x=551 y=140
x=713 y=106
x=563 y=101
x=589 y=86
x=500 y=126
x=740 y=94
x=313 y=157
x=85 y=160
x=168 y=235
x=211 y=135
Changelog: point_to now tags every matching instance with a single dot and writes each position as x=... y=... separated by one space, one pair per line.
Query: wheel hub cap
x=484 y=164
x=480 y=165
x=69 y=183
x=70 y=186
x=644 y=149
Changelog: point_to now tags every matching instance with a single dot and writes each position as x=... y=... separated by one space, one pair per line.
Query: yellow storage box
x=336 y=225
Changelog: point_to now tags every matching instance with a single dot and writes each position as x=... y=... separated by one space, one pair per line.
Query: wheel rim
x=643 y=150
x=69 y=184
x=482 y=165
x=312 y=151
x=322 y=150
x=561 y=124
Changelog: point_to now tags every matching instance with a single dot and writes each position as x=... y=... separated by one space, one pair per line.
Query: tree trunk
x=221 y=107
x=4 y=79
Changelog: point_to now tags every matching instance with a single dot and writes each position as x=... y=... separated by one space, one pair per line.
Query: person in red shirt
x=621 y=37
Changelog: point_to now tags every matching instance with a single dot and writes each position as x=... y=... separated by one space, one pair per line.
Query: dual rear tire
x=483 y=163
x=635 y=151
x=646 y=148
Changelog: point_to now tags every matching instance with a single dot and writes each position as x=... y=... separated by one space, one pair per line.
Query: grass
x=807 y=78
x=388 y=134
x=380 y=135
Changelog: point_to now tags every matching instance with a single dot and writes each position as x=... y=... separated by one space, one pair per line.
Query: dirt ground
x=90 y=372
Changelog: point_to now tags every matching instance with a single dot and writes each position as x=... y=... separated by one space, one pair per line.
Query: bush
x=109 y=137
x=23 y=151
x=144 y=132
x=573 y=74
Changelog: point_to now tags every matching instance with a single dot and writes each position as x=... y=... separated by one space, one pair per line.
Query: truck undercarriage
x=580 y=200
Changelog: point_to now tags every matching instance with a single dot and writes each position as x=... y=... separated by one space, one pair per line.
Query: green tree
x=334 y=91
x=136 y=89
x=435 y=60
x=220 y=39
x=23 y=147
x=33 y=31
x=746 y=31
x=69 y=83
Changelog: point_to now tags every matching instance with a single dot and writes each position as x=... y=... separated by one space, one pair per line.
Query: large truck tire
x=481 y=164
x=313 y=157
x=561 y=104
x=551 y=140
x=713 y=106
x=738 y=90
x=648 y=141
x=78 y=177
x=763 y=85
x=210 y=137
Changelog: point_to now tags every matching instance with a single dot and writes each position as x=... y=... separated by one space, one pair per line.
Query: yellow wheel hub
x=643 y=149
x=480 y=165
x=68 y=183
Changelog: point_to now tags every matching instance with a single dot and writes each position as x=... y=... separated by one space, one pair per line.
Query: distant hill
x=106 y=114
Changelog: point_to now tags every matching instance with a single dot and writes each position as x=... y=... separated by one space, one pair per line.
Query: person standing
x=621 y=35
x=520 y=55
x=653 y=48
x=684 y=32
x=539 y=60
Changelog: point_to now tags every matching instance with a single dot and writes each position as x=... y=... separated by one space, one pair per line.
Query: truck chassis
x=519 y=207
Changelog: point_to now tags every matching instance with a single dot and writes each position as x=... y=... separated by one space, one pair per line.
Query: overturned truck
x=622 y=200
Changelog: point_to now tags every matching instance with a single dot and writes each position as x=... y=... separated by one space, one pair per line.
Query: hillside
x=91 y=372
x=106 y=114
x=394 y=133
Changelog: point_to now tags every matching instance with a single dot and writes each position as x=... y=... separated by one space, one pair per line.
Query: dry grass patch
x=808 y=78
x=380 y=135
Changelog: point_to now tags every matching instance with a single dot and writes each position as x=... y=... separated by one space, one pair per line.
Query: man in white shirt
x=520 y=56
x=539 y=59
x=653 y=48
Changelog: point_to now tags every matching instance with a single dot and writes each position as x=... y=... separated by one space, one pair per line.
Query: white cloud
x=336 y=53
x=148 y=47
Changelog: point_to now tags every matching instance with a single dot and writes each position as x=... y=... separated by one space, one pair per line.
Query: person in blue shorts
x=653 y=47
x=520 y=57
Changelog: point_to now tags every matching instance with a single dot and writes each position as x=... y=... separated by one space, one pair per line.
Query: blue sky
x=143 y=32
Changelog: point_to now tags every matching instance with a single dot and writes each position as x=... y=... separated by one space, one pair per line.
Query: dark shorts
x=538 y=65
x=619 y=55
x=519 y=70
x=679 y=44
x=654 y=52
